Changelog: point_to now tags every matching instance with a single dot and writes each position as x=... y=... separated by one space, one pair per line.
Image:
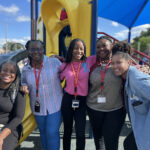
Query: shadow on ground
x=33 y=141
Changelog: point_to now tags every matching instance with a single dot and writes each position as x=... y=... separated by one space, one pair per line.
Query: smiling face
x=36 y=51
x=78 y=51
x=8 y=73
x=103 y=49
x=120 y=65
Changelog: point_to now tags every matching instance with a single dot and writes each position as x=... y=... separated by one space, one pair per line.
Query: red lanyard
x=76 y=77
x=37 y=78
x=103 y=73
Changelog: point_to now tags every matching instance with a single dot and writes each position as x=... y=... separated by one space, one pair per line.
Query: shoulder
x=136 y=78
x=54 y=60
x=134 y=73
x=91 y=58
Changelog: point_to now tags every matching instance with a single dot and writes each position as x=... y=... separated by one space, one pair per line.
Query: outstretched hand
x=24 y=89
x=1 y=143
x=62 y=59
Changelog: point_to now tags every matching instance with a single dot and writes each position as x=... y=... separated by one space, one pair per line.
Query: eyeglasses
x=32 y=50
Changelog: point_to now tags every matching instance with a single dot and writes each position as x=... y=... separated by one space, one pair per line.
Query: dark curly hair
x=121 y=47
x=106 y=38
x=15 y=85
x=70 y=50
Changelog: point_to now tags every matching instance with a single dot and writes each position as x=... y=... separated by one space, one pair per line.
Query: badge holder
x=101 y=98
x=37 y=106
x=75 y=104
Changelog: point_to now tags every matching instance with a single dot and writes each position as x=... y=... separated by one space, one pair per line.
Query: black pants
x=129 y=142
x=79 y=116
x=108 y=125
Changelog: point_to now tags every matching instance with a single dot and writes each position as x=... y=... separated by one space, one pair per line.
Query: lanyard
x=37 y=78
x=103 y=73
x=76 y=77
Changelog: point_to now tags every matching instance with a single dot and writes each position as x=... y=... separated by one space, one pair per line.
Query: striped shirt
x=50 y=90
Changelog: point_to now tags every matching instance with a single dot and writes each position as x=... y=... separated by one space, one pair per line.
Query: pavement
x=33 y=141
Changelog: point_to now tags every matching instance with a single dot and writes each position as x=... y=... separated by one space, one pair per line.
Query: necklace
x=104 y=61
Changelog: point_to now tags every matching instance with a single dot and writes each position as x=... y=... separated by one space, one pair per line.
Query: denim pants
x=49 y=130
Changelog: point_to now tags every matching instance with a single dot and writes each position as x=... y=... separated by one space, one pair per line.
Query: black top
x=11 y=114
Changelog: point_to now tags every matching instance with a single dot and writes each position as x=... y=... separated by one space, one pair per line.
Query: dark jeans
x=79 y=116
x=108 y=125
x=129 y=142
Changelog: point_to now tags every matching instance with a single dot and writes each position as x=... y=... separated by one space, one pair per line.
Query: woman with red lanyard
x=104 y=100
x=76 y=72
x=40 y=79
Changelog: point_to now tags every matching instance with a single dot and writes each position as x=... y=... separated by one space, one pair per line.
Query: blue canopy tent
x=129 y=13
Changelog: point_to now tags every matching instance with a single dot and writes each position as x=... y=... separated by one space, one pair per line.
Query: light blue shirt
x=50 y=90
x=137 y=87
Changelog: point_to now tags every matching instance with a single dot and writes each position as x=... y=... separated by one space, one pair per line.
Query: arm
x=18 y=112
x=62 y=59
x=3 y=135
x=62 y=69
x=24 y=87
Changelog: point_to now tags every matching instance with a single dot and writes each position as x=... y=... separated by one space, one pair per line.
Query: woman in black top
x=12 y=105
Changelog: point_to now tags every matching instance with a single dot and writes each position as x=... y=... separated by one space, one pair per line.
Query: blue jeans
x=49 y=130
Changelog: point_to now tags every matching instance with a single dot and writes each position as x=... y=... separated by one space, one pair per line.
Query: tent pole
x=94 y=26
x=32 y=20
x=36 y=17
x=129 y=35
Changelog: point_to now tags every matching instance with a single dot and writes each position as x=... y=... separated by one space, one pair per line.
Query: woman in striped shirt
x=40 y=79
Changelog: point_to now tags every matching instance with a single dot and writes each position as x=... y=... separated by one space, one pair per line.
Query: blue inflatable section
x=129 y=13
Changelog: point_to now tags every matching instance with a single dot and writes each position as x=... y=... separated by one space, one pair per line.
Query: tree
x=12 y=46
x=143 y=39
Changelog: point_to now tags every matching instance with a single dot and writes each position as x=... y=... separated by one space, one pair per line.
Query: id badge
x=37 y=106
x=101 y=99
x=75 y=103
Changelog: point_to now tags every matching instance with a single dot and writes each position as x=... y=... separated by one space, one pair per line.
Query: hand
x=1 y=143
x=62 y=59
x=24 y=89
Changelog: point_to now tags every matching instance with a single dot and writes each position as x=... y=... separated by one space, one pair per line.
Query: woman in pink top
x=76 y=73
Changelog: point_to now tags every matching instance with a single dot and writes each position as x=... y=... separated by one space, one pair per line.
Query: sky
x=15 y=23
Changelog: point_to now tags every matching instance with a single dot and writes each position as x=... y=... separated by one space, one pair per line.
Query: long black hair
x=71 y=48
x=15 y=85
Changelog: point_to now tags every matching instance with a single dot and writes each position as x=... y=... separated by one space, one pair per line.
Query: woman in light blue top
x=137 y=98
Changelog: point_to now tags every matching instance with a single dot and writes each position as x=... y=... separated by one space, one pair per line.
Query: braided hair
x=28 y=44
